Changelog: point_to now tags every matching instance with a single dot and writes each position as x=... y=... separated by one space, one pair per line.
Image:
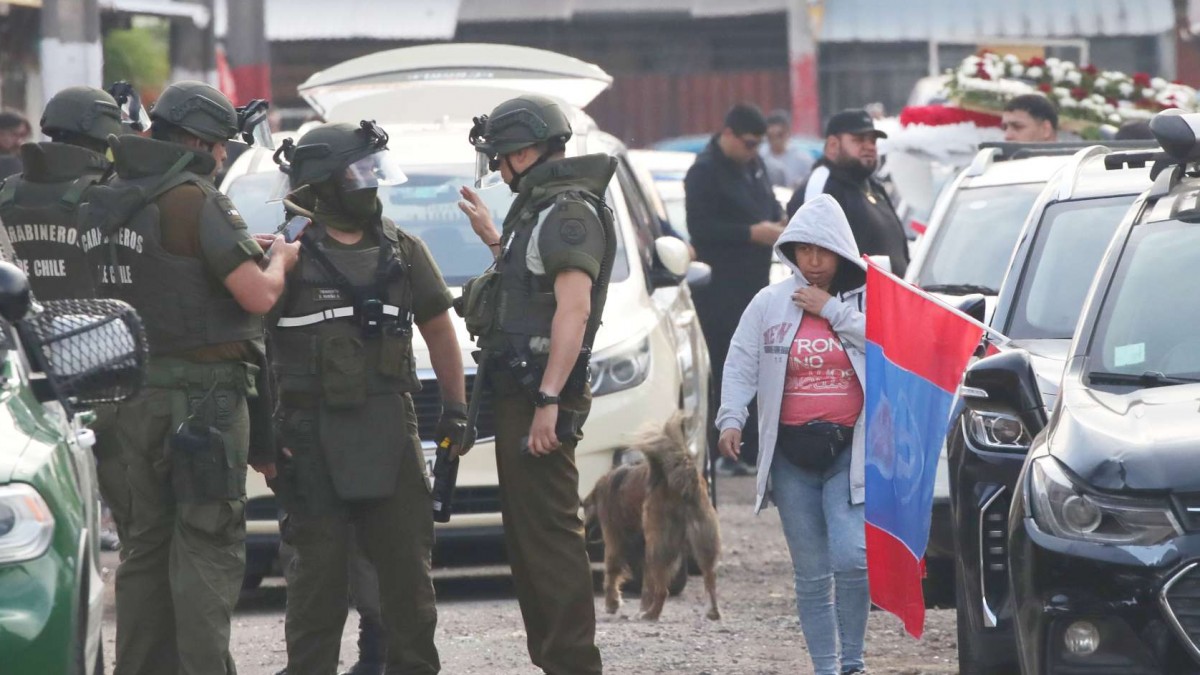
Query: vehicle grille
x=1180 y=599
x=476 y=500
x=1187 y=508
x=428 y=403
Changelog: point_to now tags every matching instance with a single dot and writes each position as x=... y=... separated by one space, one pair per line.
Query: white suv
x=649 y=358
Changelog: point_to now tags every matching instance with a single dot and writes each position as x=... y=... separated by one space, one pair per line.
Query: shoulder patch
x=572 y=231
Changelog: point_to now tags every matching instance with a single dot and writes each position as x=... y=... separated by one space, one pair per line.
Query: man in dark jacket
x=845 y=173
x=734 y=220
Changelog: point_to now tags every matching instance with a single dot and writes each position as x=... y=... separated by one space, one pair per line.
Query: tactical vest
x=181 y=305
x=322 y=347
x=42 y=222
x=527 y=303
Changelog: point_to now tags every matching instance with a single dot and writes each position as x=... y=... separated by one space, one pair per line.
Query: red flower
x=1141 y=79
x=982 y=72
x=1045 y=88
x=938 y=115
x=1110 y=100
x=1079 y=93
x=1089 y=69
x=1035 y=61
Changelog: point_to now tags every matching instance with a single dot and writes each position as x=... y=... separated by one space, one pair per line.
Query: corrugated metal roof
x=290 y=20
x=969 y=21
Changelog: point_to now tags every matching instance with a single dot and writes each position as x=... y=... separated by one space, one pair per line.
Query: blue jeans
x=827 y=541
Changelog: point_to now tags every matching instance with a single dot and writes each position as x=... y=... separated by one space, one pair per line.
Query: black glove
x=452 y=425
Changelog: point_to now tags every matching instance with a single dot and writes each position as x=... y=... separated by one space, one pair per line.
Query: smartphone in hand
x=292 y=230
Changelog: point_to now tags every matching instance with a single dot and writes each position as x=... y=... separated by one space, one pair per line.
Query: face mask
x=346 y=211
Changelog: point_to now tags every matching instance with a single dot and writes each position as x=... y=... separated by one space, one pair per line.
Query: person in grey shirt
x=787 y=165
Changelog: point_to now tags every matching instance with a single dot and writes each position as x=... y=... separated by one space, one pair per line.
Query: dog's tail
x=670 y=462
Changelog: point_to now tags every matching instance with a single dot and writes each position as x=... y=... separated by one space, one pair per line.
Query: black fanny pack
x=813 y=446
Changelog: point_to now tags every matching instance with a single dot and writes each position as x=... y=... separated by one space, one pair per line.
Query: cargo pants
x=110 y=469
x=543 y=532
x=184 y=541
x=396 y=535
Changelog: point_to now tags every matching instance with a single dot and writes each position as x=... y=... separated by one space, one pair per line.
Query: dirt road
x=479 y=625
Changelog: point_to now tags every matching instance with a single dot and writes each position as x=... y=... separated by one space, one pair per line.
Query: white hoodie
x=758 y=354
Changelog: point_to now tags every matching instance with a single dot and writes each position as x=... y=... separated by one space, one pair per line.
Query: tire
x=939 y=583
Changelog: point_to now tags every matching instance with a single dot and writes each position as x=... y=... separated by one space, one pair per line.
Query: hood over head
x=821 y=221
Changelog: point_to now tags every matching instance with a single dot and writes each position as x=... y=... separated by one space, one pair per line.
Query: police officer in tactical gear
x=178 y=251
x=535 y=317
x=39 y=209
x=341 y=352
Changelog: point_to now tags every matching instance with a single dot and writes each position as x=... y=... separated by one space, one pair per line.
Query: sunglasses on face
x=751 y=142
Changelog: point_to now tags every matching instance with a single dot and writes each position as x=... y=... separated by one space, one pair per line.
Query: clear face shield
x=487 y=162
x=376 y=170
x=131 y=106
x=253 y=124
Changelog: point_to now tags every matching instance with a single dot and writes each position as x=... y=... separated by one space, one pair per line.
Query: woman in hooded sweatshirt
x=800 y=348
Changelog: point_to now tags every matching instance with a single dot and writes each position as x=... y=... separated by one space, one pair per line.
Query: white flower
x=1016 y=70
x=1011 y=58
x=1148 y=93
x=1035 y=72
x=1053 y=61
x=1060 y=92
x=1126 y=89
x=1158 y=83
x=1115 y=119
x=1101 y=83
x=1109 y=109
x=1074 y=77
x=1097 y=98
x=1067 y=65
x=1067 y=102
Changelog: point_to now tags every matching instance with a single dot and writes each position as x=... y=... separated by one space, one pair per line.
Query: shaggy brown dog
x=661 y=507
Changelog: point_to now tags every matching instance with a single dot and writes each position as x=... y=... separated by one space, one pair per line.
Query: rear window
x=974 y=242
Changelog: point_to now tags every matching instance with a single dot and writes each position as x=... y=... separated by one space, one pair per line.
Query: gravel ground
x=480 y=627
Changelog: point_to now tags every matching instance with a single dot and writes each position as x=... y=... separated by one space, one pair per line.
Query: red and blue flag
x=917 y=350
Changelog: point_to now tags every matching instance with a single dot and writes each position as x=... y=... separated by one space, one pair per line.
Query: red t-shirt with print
x=821 y=385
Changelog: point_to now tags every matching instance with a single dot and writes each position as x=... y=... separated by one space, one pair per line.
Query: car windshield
x=425 y=206
x=1069 y=245
x=977 y=235
x=1150 y=324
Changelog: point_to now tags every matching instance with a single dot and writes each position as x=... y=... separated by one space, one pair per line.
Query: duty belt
x=169 y=373
x=331 y=314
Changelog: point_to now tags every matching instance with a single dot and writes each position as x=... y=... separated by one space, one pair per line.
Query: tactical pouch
x=480 y=302
x=396 y=355
x=343 y=372
x=303 y=484
x=205 y=461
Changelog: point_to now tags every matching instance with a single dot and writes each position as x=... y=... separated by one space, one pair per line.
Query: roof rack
x=1008 y=150
x=1071 y=171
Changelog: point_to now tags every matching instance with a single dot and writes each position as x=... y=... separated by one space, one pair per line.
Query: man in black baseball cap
x=846 y=174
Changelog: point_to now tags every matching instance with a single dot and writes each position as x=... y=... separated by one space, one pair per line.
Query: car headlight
x=622 y=367
x=996 y=431
x=26 y=524
x=1063 y=509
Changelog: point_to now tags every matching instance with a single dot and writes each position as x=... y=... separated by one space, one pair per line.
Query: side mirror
x=15 y=297
x=698 y=275
x=1004 y=405
x=85 y=351
x=973 y=305
x=674 y=258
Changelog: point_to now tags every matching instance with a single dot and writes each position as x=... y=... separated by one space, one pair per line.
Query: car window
x=425 y=206
x=974 y=242
x=250 y=192
x=644 y=223
x=1069 y=245
x=1150 y=322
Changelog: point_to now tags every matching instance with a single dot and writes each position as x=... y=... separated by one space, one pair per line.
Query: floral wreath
x=1087 y=97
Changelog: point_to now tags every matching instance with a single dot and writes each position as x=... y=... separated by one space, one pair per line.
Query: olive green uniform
x=346 y=416
x=39 y=209
x=553 y=226
x=170 y=240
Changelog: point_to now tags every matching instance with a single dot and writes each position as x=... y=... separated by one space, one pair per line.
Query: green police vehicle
x=56 y=359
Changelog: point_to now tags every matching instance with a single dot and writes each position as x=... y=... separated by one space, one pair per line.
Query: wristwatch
x=542 y=399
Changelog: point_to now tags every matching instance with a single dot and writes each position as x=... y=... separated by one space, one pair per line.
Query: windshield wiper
x=1150 y=378
x=960 y=289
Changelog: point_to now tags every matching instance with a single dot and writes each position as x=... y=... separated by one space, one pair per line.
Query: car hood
x=1147 y=439
x=1048 y=358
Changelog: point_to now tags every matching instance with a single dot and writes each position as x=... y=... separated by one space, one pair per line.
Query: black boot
x=372 y=649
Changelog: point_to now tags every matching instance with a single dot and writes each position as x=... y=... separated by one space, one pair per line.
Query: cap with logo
x=853 y=121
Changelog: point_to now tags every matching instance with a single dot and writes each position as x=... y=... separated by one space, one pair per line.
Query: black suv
x=1056 y=256
x=1102 y=540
